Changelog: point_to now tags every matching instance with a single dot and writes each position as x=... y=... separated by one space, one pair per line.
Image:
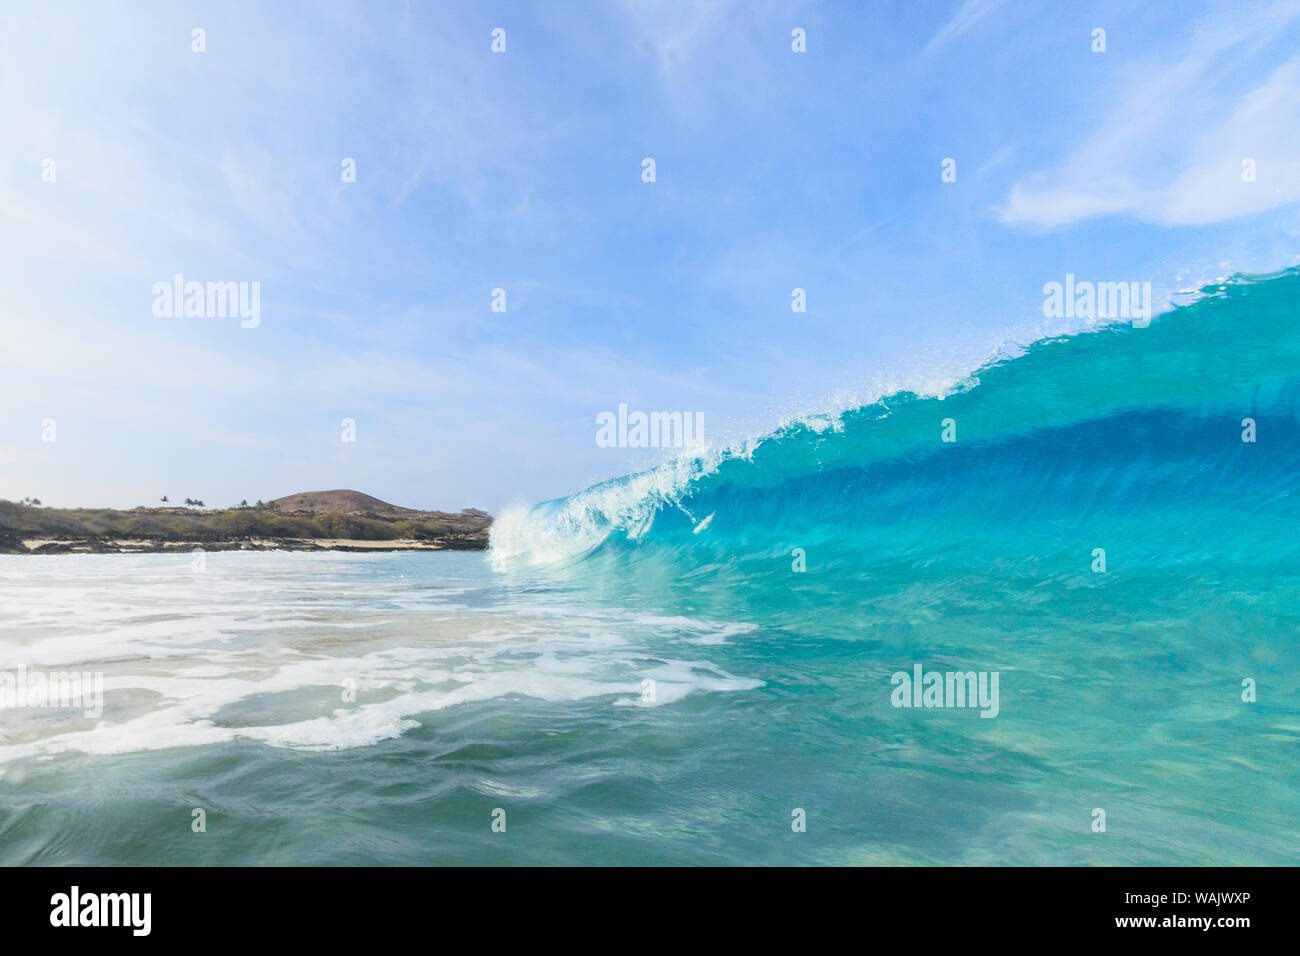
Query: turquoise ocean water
x=642 y=674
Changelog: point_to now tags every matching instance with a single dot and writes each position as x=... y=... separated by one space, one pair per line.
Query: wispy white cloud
x=1170 y=150
x=965 y=19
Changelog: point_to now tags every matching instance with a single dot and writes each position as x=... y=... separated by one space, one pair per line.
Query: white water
x=265 y=645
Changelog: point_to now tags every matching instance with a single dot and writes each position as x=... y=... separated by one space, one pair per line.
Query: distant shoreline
x=144 y=546
x=313 y=521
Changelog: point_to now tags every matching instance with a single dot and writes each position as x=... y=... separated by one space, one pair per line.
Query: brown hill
x=341 y=501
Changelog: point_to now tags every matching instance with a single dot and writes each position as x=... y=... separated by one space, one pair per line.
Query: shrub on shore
x=24 y=521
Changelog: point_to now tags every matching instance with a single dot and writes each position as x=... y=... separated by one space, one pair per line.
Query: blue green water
x=641 y=674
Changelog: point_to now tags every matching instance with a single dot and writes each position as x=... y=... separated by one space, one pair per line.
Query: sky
x=522 y=170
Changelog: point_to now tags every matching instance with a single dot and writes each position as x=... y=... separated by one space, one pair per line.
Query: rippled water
x=227 y=689
x=475 y=691
x=678 y=666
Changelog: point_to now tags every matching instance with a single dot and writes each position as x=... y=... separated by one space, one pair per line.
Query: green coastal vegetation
x=297 y=521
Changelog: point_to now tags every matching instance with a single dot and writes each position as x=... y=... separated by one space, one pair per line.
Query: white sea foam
x=262 y=647
x=564 y=530
x=559 y=531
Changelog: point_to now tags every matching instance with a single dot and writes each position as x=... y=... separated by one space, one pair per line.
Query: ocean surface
x=696 y=664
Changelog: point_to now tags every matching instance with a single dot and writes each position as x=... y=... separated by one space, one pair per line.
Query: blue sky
x=476 y=170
